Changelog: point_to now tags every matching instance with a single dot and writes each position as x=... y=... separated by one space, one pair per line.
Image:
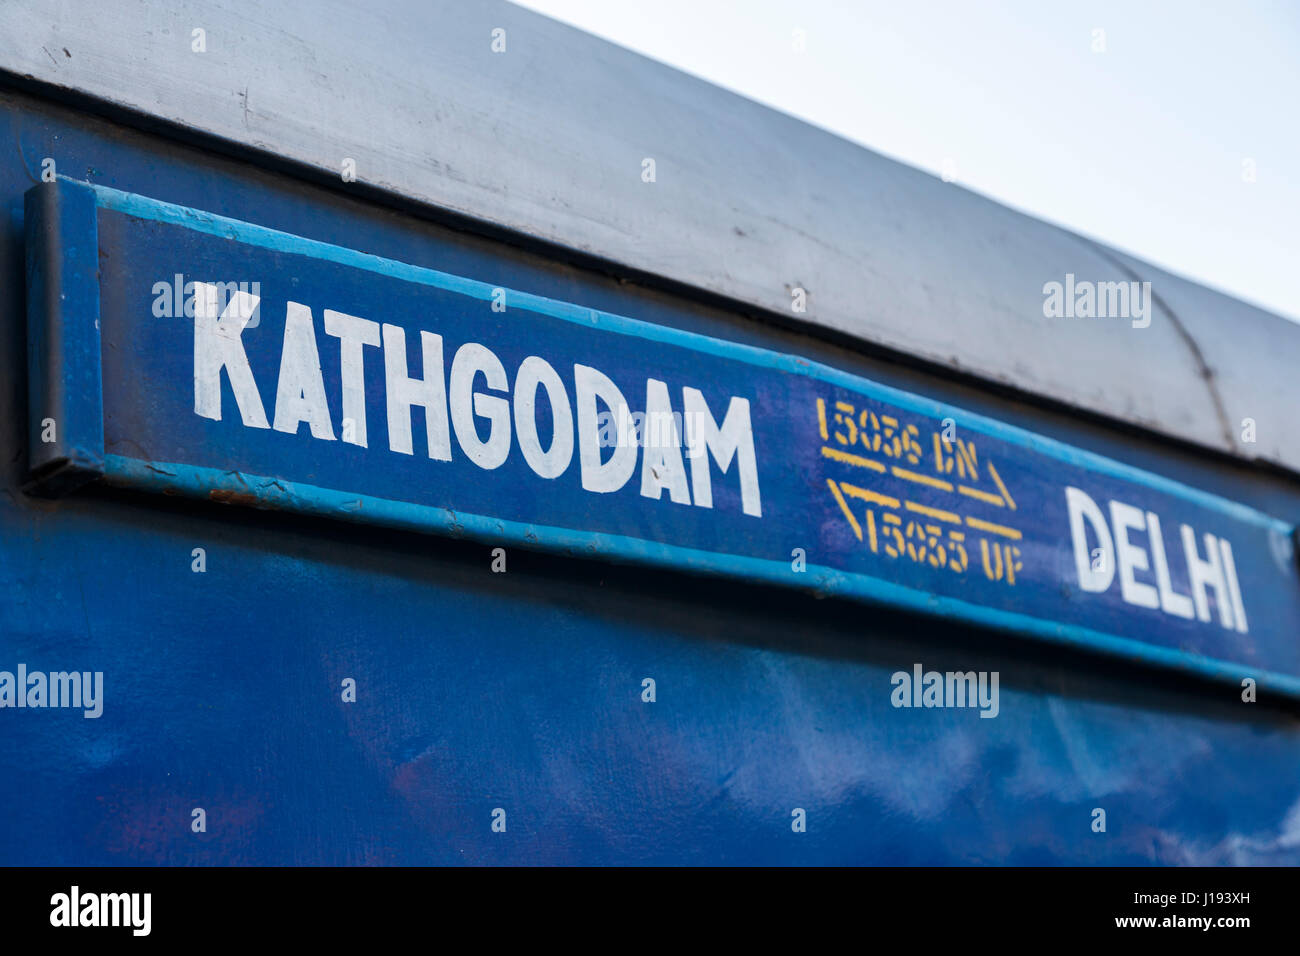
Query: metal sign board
x=178 y=351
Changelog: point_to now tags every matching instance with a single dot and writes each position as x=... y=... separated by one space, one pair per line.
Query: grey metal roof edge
x=548 y=140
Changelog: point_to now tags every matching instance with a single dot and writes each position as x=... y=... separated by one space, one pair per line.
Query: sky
x=1167 y=130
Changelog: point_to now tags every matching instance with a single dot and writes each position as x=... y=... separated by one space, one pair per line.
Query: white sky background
x=1141 y=146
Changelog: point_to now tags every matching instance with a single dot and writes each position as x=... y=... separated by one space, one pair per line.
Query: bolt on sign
x=182 y=352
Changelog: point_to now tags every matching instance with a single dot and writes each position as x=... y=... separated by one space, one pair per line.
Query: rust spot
x=233 y=497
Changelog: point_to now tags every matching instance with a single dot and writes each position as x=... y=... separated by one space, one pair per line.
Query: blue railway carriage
x=506 y=449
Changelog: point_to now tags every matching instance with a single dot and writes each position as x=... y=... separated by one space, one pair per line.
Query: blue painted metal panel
x=521 y=690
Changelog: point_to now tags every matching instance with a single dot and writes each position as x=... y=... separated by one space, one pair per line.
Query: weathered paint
x=522 y=690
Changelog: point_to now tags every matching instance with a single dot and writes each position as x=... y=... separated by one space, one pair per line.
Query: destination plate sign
x=182 y=352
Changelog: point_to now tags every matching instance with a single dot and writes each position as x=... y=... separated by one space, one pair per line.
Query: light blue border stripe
x=279 y=494
x=144 y=208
